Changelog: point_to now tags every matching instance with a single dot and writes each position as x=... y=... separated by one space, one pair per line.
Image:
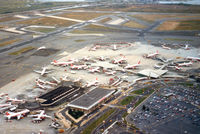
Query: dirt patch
x=9 y=42
x=105 y=20
x=45 y=52
x=43 y=30
x=180 y=25
x=4 y=19
x=153 y=17
x=168 y=26
x=134 y=24
x=22 y=51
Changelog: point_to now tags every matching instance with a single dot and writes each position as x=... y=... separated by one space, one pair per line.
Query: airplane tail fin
x=138 y=62
x=55 y=61
x=157 y=51
x=7 y=113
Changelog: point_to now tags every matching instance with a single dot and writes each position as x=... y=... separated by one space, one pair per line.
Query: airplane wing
x=8 y=117
x=37 y=71
x=47 y=116
x=19 y=116
x=36 y=119
x=47 y=72
x=36 y=115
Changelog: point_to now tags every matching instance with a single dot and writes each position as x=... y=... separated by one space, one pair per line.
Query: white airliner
x=101 y=58
x=93 y=70
x=40 y=116
x=93 y=49
x=193 y=58
x=15 y=100
x=78 y=80
x=43 y=86
x=64 y=78
x=86 y=58
x=43 y=72
x=177 y=68
x=152 y=55
x=187 y=47
x=5 y=105
x=132 y=66
x=168 y=48
x=110 y=72
x=92 y=83
x=78 y=67
x=10 y=115
x=114 y=47
x=2 y=95
x=56 y=80
x=45 y=82
x=62 y=63
x=119 y=61
x=185 y=64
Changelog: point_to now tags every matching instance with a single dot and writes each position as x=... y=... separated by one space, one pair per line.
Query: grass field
x=93 y=125
x=43 y=30
x=127 y=100
x=47 y=22
x=5 y=43
x=84 y=32
x=164 y=8
x=140 y=91
x=176 y=39
x=180 y=25
x=99 y=28
x=8 y=18
x=83 y=15
x=23 y=50
x=154 y=17
x=10 y=6
x=134 y=24
x=79 y=40
x=93 y=29
x=140 y=101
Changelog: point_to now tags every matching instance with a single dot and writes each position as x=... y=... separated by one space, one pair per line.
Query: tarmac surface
x=16 y=71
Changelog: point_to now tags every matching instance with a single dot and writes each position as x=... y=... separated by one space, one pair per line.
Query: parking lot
x=174 y=109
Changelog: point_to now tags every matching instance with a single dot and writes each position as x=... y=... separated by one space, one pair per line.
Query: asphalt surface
x=169 y=115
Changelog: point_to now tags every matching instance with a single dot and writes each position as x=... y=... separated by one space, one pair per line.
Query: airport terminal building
x=91 y=100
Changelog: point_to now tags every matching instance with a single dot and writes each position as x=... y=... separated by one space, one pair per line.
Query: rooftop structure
x=60 y=95
x=91 y=99
x=152 y=73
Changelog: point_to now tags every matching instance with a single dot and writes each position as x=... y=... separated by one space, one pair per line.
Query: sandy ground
x=22 y=16
x=13 y=29
x=116 y=22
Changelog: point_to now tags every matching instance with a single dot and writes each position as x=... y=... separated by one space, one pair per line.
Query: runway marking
x=62 y=18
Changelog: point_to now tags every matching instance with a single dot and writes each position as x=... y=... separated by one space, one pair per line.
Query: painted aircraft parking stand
x=60 y=95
